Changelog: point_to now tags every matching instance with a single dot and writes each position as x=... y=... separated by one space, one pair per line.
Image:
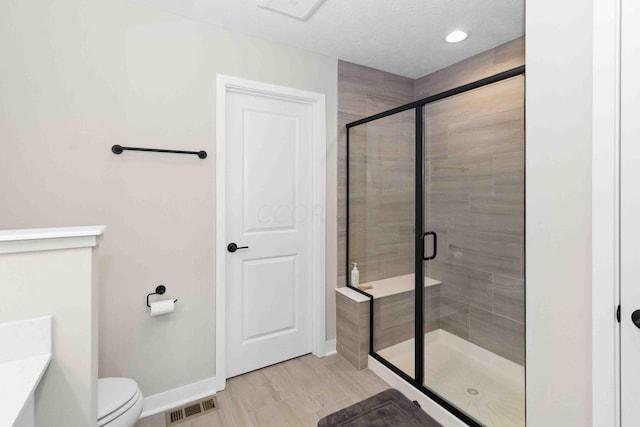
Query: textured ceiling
x=399 y=36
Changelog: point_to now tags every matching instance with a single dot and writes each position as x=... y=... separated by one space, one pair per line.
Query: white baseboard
x=436 y=411
x=330 y=348
x=173 y=398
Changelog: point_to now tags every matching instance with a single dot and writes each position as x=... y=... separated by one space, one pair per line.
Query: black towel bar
x=118 y=149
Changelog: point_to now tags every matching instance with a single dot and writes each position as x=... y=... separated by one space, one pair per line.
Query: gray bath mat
x=387 y=409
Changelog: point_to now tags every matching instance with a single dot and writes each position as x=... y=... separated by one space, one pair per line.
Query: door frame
x=316 y=272
x=605 y=264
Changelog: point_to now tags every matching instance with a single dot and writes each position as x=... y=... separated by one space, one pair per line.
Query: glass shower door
x=381 y=162
x=474 y=288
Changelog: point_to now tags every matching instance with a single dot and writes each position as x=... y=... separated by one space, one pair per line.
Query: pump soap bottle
x=355 y=275
x=355 y=278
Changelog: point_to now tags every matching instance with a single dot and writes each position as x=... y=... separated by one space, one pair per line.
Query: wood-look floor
x=295 y=393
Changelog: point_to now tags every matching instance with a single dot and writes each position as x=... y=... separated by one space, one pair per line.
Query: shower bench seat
x=393 y=314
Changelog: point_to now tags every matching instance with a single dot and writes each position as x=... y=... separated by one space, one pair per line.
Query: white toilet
x=119 y=402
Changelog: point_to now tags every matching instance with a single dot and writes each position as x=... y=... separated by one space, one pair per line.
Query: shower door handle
x=435 y=245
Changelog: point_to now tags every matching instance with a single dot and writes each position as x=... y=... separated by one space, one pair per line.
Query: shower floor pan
x=488 y=387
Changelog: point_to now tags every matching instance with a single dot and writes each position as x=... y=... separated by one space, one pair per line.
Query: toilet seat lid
x=113 y=393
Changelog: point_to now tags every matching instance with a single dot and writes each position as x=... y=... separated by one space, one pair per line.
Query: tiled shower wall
x=475 y=202
x=381 y=211
x=474 y=161
x=474 y=196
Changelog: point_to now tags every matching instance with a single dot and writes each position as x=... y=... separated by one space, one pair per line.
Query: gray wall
x=79 y=76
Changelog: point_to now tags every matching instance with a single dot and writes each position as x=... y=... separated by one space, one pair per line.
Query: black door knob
x=635 y=318
x=232 y=247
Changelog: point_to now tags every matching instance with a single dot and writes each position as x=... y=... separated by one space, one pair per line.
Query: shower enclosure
x=435 y=221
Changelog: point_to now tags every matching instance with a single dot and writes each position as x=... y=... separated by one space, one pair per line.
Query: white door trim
x=605 y=287
x=224 y=85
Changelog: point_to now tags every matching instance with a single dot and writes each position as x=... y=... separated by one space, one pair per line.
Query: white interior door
x=268 y=211
x=630 y=215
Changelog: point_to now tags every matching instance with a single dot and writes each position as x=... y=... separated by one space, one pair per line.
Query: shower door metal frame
x=418 y=106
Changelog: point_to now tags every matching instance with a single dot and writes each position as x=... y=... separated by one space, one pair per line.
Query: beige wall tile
x=497 y=334
x=475 y=197
x=379 y=156
x=489 y=134
x=501 y=214
x=463 y=284
x=491 y=253
x=501 y=58
x=447 y=210
x=472 y=174
x=508 y=169
x=508 y=294
x=454 y=317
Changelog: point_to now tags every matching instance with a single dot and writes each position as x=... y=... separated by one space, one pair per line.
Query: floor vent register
x=191 y=411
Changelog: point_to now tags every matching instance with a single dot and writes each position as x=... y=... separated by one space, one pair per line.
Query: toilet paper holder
x=160 y=289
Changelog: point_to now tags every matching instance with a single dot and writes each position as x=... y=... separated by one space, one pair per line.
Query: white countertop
x=24 y=357
x=19 y=379
x=387 y=287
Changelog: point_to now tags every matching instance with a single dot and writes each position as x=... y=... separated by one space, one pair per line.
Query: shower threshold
x=483 y=384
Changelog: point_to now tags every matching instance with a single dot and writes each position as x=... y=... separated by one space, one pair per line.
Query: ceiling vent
x=299 y=9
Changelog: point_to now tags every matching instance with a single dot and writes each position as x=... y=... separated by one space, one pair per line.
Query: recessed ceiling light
x=455 y=36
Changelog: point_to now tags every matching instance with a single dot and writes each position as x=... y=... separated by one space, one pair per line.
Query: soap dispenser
x=355 y=275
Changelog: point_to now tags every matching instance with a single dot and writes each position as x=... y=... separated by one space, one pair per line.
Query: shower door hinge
x=618 y=313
